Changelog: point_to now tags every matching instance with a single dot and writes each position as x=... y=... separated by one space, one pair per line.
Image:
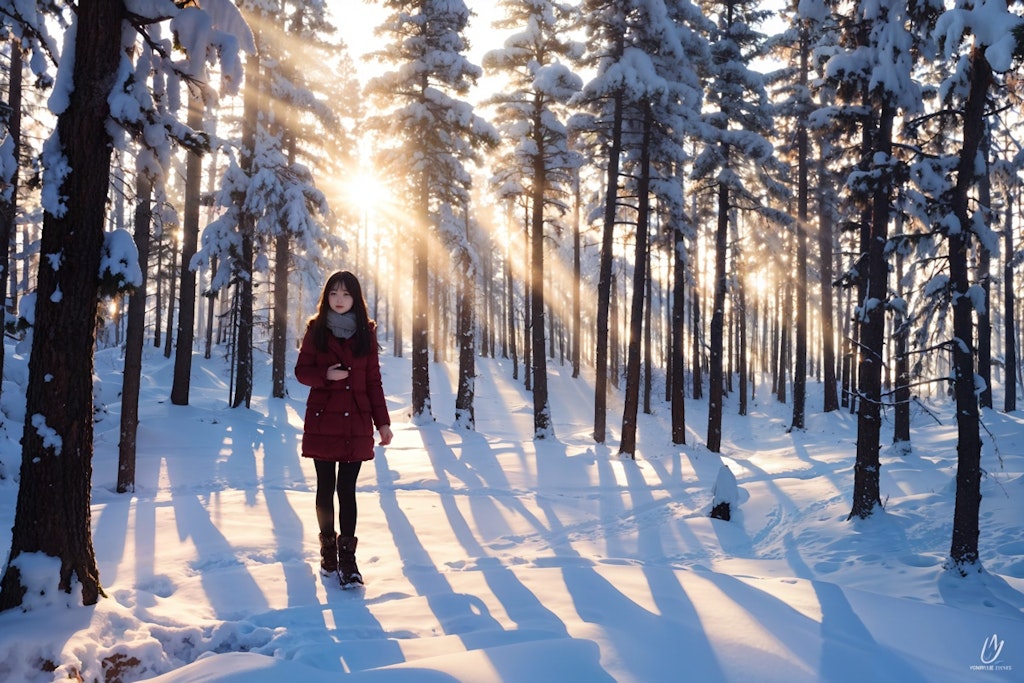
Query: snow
x=990 y=23
x=55 y=170
x=490 y=556
x=120 y=257
x=976 y=293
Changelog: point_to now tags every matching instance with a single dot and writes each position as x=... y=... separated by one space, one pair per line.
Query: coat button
x=346 y=414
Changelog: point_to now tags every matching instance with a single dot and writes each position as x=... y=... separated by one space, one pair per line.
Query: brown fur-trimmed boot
x=348 y=570
x=329 y=553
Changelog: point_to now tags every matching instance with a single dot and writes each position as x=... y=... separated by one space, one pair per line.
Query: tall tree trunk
x=856 y=352
x=439 y=314
x=189 y=245
x=678 y=323
x=901 y=411
x=421 y=408
x=665 y=296
x=803 y=192
x=696 y=325
x=1009 y=338
x=542 y=428
x=135 y=338
x=574 y=353
x=785 y=315
x=210 y=297
x=648 y=341
x=397 y=324
x=53 y=514
x=211 y=317
x=510 y=309
x=715 y=376
x=847 y=347
x=984 y=316
x=741 y=342
x=488 y=301
x=627 y=443
x=964 y=544
x=527 y=303
x=9 y=199
x=776 y=315
x=615 y=330
x=279 y=329
x=828 y=334
x=464 y=399
x=159 y=298
x=247 y=228
x=604 y=283
x=871 y=316
x=171 y=300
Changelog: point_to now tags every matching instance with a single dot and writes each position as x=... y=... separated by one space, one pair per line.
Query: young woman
x=339 y=362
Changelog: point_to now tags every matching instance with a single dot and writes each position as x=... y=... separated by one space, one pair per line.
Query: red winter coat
x=340 y=414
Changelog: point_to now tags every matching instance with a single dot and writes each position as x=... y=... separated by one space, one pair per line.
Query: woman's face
x=339 y=300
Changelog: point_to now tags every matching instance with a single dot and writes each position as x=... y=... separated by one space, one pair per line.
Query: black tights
x=338 y=477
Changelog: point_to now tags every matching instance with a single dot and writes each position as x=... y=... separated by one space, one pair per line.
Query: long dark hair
x=363 y=339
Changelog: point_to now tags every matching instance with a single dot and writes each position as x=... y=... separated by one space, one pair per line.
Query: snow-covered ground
x=490 y=556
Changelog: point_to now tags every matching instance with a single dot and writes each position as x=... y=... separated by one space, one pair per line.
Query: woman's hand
x=337 y=372
x=385 y=435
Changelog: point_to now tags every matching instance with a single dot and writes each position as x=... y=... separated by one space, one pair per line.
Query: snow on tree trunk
x=871 y=316
x=725 y=494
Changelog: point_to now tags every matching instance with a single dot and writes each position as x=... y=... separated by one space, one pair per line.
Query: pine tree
x=427 y=135
x=10 y=162
x=661 y=100
x=530 y=115
x=604 y=22
x=737 y=118
x=53 y=510
x=269 y=196
x=874 y=73
x=968 y=88
x=189 y=244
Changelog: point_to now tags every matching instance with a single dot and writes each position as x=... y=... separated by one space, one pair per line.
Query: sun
x=372 y=198
x=370 y=204
x=364 y=188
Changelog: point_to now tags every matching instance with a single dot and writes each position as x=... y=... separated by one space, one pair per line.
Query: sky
x=489 y=556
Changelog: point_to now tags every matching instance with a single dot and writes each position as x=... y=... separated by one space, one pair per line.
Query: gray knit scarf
x=341 y=324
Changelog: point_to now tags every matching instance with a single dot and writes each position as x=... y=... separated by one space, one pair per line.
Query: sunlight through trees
x=670 y=199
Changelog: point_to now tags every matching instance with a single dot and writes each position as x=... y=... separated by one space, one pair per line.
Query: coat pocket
x=316 y=409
